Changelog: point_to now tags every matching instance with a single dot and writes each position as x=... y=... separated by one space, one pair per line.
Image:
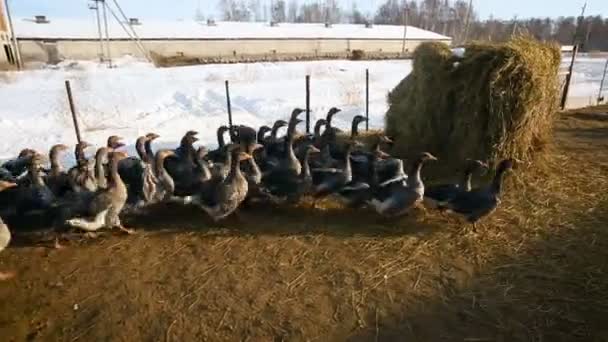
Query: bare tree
x=292 y=11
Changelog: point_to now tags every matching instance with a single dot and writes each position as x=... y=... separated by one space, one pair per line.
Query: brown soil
x=535 y=271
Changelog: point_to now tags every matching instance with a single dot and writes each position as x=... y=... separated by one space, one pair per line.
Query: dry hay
x=498 y=100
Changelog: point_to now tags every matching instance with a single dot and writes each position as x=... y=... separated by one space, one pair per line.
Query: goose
x=5 y=233
x=35 y=197
x=104 y=205
x=57 y=179
x=101 y=158
x=357 y=120
x=331 y=180
x=278 y=148
x=16 y=167
x=182 y=166
x=480 y=202
x=317 y=132
x=222 y=198
x=443 y=193
x=138 y=173
x=293 y=188
x=288 y=165
x=114 y=142
x=219 y=154
x=396 y=198
x=337 y=151
x=81 y=177
x=330 y=134
x=164 y=185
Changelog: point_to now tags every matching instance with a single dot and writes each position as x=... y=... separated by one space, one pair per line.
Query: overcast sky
x=185 y=9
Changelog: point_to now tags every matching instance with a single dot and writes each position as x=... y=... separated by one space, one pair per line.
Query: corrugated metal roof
x=59 y=28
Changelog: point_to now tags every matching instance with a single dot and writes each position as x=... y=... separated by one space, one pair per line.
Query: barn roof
x=60 y=28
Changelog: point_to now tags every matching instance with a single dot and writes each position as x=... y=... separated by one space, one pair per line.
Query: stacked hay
x=497 y=100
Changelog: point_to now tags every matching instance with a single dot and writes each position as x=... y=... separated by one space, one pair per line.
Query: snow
x=59 y=28
x=136 y=98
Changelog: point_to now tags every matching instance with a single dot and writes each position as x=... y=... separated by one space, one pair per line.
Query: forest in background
x=455 y=18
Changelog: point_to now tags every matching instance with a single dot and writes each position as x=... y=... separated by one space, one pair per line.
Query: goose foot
x=56 y=244
x=7 y=275
x=126 y=230
x=91 y=235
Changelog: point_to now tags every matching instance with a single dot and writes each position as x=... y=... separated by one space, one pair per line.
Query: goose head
x=330 y=114
x=152 y=136
x=115 y=142
x=262 y=131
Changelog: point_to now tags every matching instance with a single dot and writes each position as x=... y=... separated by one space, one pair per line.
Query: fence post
x=568 y=78
x=599 y=94
x=367 y=99
x=307 y=104
x=68 y=88
x=228 y=105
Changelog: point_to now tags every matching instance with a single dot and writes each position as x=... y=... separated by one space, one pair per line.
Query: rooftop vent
x=368 y=24
x=211 y=22
x=41 y=19
x=328 y=25
x=134 y=21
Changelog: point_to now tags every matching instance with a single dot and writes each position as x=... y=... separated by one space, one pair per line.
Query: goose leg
x=56 y=243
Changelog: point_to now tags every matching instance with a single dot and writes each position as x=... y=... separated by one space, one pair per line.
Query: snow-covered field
x=136 y=98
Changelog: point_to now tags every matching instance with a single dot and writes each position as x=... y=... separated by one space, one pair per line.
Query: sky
x=185 y=9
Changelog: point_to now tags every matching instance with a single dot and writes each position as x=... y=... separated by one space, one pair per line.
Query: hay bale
x=498 y=100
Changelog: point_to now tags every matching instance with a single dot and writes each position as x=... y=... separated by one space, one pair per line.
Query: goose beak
x=386 y=139
x=7 y=185
x=244 y=156
x=313 y=149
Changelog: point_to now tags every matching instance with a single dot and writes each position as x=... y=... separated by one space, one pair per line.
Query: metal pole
x=307 y=103
x=135 y=36
x=569 y=78
x=73 y=110
x=405 y=22
x=101 y=52
x=599 y=94
x=367 y=99
x=14 y=36
x=228 y=105
x=105 y=23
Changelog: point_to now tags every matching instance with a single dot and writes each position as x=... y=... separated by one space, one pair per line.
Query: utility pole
x=95 y=6
x=13 y=36
x=405 y=22
x=578 y=24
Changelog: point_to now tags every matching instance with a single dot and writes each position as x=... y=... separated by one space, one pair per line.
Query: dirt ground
x=535 y=271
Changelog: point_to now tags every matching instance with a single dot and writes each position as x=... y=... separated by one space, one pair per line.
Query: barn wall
x=53 y=51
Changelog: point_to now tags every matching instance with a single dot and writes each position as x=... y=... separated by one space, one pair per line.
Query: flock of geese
x=256 y=165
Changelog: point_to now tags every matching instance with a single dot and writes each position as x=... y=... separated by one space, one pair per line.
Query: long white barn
x=54 y=39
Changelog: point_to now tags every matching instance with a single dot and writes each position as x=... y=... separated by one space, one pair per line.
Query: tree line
x=455 y=18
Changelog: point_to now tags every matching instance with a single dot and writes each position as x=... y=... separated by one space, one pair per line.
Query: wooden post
x=307 y=104
x=228 y=105
x=367 y=99
x=568 y=78
x=73 y=110
x=599 y=94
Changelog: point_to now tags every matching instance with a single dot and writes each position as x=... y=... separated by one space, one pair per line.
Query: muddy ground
x=535 y=271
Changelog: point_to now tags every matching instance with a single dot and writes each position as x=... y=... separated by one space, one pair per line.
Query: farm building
x=52 y=39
